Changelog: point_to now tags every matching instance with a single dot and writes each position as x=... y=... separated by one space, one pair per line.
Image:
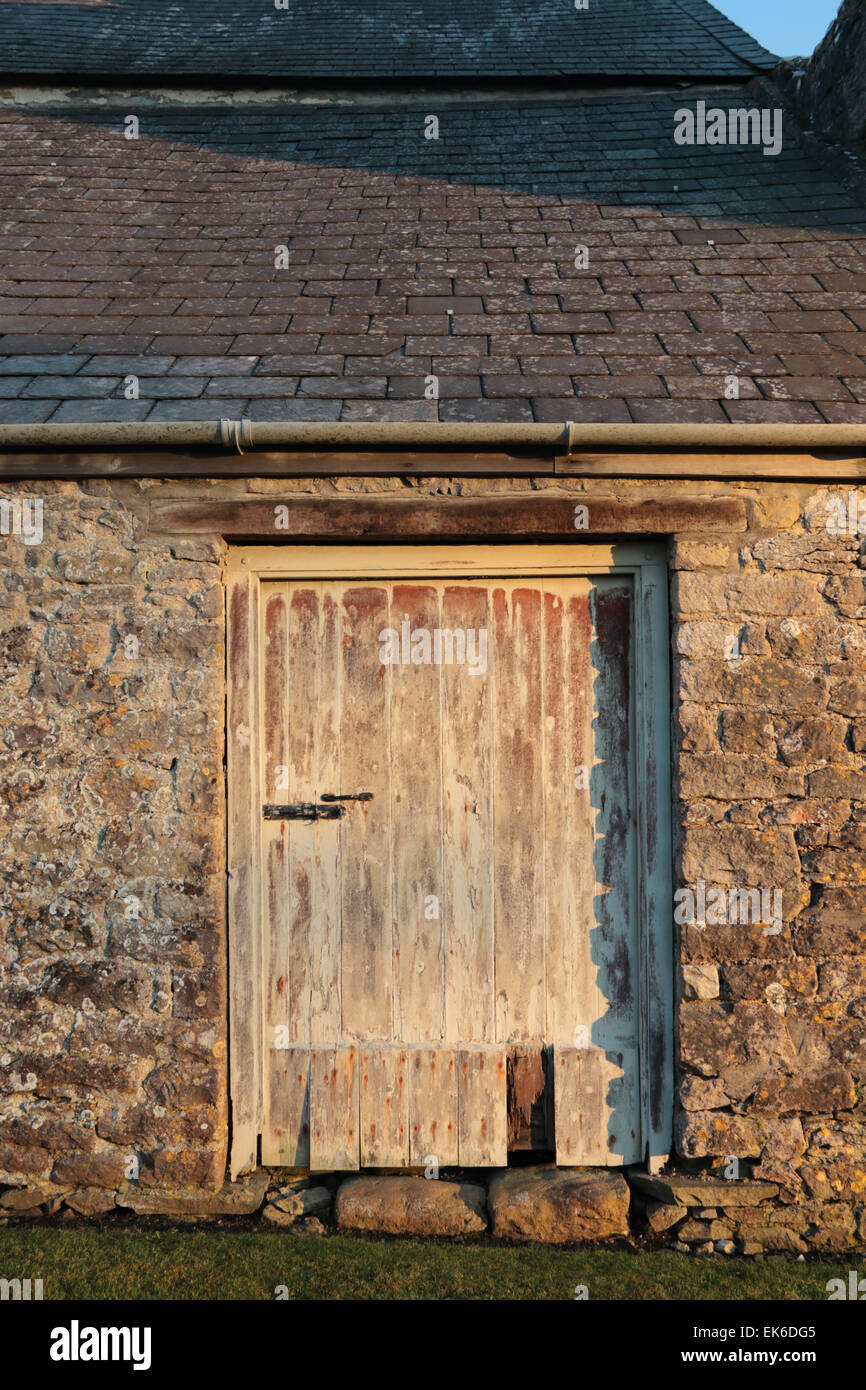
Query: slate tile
x=26 y=412
x=85 y=412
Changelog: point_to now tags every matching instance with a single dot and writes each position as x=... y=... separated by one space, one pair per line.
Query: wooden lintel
x=200 y=463
x=396 y=518
x=827 y=466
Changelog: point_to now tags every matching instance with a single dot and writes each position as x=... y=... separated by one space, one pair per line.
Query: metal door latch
x=329 y=808
x=348 y=796
x=302 y=810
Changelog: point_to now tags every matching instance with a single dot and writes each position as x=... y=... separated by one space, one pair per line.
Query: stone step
x=411 y=1206
x=558 y=1205
x=687 y=1191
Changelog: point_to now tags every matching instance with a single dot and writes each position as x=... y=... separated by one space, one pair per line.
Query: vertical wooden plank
x=594 y=1093
x=384 y=1108
x=300 y=702
x=566 y=733
x=416 y=795
x=274 y=678
x=325 y=922
x=467 y=823
x=579 y=1105
x=245 y=1002
x=580 y=1124
x=286 y=1131
x=482 y=1119
x=365 y=866
x=577 y=1003
x=433 y=1104
x=334 y=1109
x=518 y=870
x=530 y=1087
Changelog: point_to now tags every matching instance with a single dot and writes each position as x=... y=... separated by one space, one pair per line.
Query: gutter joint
x=237 y=432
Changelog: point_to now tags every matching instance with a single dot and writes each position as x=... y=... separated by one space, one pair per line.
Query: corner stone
x=557 y=1205
x=411 y=1207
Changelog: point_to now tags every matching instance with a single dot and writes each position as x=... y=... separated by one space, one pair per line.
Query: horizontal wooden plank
x=221 y=463
x=393 y=519
x=827 y=465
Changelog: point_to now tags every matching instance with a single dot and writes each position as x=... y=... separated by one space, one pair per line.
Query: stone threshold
x=534 y=1203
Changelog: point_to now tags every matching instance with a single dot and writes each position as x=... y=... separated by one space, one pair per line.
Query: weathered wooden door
x=481 y=895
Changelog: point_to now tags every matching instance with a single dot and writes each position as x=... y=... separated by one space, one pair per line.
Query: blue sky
x=791 y=28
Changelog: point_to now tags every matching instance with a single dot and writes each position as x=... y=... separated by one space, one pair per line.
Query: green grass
x=88 y=1263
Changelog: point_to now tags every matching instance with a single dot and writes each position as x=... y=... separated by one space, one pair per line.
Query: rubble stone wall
x=113 y=1072
x=112 y=1002
x=829 y=92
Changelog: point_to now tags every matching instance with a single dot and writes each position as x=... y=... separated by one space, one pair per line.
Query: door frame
x=247 y=567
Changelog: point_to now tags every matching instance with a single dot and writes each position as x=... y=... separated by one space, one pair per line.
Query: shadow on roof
x=613 y=151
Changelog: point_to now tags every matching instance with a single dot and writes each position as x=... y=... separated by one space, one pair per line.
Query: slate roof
x=410 y=258
x=310 y=39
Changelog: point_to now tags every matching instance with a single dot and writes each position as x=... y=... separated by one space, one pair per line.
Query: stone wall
x=771 y=771
x=829 y=91
x=113 y=989
x=112 y=1015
